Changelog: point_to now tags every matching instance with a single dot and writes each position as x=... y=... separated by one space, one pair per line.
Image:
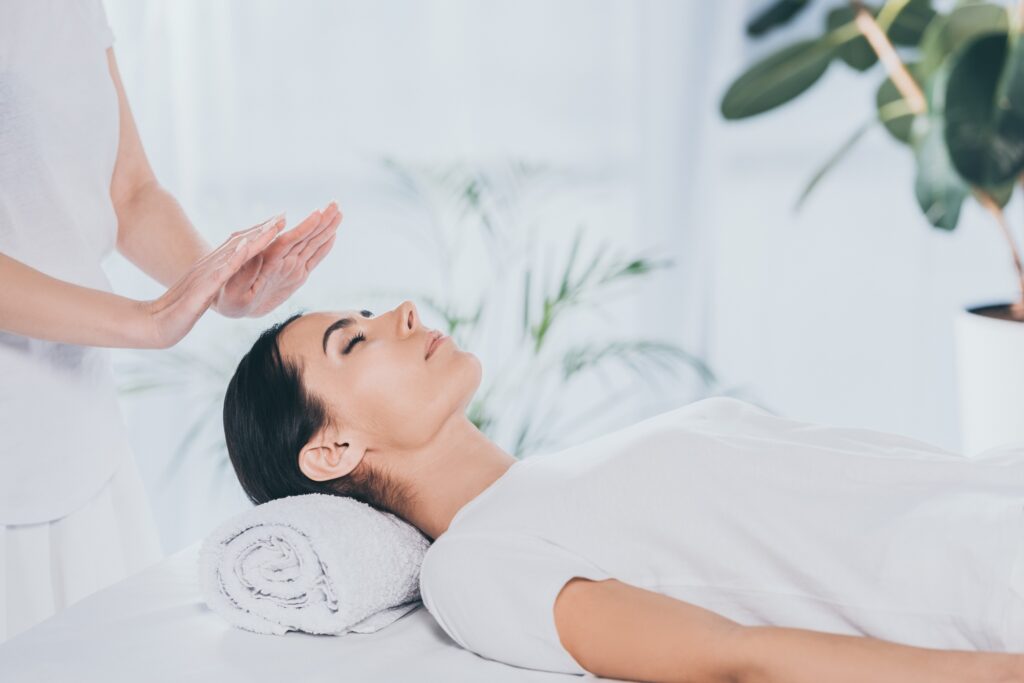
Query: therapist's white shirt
x=761 y=519
x=60 y=424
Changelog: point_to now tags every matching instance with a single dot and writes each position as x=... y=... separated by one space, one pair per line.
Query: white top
x=761 y=519
x=60 y=423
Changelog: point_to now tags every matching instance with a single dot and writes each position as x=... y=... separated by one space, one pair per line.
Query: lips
x=435 y=340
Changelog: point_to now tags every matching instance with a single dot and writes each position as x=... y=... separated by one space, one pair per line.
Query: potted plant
x=953 y=95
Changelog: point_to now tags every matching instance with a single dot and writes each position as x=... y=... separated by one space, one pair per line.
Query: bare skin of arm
x=617 y=630
x=621 y=631
x=33 y=304
x=801 y=656
x=153 y=231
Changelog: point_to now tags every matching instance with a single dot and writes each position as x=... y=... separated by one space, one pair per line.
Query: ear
x=330 y=454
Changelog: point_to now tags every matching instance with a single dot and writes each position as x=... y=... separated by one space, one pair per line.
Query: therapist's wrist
x=141 y=328
x=113 y=320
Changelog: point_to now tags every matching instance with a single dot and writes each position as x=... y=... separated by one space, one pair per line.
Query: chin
x=474 y=374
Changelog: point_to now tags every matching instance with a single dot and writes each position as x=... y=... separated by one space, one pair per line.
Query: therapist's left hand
x=271 y=276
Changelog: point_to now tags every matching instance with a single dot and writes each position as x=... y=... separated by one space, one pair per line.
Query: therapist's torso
x=61 y=430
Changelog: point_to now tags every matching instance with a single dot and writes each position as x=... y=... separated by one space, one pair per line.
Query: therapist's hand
x=271 y=275
x=167 y=319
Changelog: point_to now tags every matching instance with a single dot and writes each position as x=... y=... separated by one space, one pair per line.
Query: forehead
x=304 y=334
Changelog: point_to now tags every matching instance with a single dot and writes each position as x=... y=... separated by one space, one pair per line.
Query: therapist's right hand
x=169 y=318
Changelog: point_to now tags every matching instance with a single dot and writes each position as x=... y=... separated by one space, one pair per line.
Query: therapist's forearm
x=154 y=233
x=33 y=304
x=792 y=655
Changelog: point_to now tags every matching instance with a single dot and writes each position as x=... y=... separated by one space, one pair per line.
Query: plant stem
x=887 y=15
x=1017 y=308
x=887 y=54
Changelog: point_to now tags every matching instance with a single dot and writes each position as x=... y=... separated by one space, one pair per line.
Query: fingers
x=245 y=276
x=211 y=282
x=327 y=226
x=265 y=232
x=228 y=261
x=247 y=248
x=271 y=227
x=260 y=235
x=258 y=241
x=186 y=302
x=320 y=253
x=307 y=228
x=182 y=304
x=279 y=218
x=283 y=264
x=314 y=243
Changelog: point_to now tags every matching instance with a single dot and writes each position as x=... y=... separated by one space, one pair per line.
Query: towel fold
x=315 y=563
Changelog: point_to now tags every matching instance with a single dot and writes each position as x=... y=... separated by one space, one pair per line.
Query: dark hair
x=269 y=416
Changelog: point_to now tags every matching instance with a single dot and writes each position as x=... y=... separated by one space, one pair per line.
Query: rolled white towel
x=316 y=563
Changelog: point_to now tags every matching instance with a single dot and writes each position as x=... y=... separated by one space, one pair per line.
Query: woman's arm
x=791 y=655
x=617 y=630
x=34 y=304
x=153 y=231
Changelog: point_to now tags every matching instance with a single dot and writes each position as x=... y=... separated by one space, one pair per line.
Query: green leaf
x=984 y=113
x=832 y=161
x=947 y=34
x=775 y=15
x=777 y=79
x=911 y=22
x=940 y=191
x=893 y=110
x=857 y=53
x=563 y=289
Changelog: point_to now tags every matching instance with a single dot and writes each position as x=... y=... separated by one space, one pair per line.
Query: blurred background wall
x=841 y=313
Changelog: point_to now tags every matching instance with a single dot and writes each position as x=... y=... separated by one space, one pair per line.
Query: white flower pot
x=990 y=378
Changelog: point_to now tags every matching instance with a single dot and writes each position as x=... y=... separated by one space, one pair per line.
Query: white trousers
x=48 y=566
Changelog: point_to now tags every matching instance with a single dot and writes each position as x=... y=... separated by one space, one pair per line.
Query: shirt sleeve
x=495 y=596
x=101 y=25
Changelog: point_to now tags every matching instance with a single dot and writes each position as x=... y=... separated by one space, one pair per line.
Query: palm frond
x=662 y=354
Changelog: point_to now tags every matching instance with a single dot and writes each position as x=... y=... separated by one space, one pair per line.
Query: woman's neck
x=440 y=478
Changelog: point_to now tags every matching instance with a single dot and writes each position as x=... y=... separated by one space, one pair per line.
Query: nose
x=408 y=318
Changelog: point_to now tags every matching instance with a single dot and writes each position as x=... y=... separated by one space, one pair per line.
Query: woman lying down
x=713 y=542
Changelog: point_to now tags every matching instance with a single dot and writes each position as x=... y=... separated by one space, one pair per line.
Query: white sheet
x=154 y=626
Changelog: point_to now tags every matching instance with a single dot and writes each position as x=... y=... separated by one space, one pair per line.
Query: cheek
x=403 y=405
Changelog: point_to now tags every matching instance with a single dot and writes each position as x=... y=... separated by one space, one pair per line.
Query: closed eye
x=355 y=340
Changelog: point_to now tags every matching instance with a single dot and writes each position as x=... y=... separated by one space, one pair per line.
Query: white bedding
x=154 y=626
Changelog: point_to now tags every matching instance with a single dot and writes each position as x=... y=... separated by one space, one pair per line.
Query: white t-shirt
x=764 y=520
x=61 y=429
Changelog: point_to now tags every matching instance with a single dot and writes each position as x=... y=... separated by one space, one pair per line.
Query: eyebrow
x=340 y=324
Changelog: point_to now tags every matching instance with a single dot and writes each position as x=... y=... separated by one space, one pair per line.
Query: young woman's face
x=383 y=386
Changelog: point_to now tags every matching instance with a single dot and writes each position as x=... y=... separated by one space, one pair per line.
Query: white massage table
x=155 y=626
